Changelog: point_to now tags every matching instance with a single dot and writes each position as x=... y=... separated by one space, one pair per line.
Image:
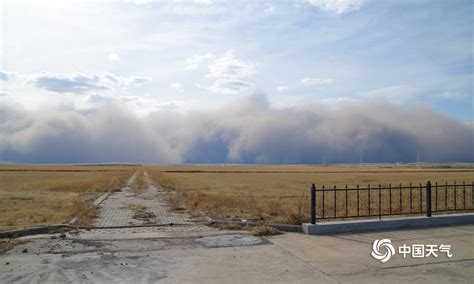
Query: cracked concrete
x=195 y=253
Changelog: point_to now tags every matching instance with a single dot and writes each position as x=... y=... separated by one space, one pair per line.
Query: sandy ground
x=195 y=253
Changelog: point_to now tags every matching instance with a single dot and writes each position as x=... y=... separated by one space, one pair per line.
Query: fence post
x=428 y=199
x=313 y=204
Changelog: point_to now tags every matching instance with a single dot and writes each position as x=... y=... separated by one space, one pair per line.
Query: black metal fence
x=380 y=201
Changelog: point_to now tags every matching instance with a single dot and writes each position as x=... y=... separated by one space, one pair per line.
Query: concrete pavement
x=174 y=257
x=347 y=257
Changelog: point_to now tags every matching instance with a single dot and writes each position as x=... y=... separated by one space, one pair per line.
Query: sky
x=209 y=81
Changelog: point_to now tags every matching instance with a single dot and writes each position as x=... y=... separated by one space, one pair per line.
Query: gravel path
x=124 y=207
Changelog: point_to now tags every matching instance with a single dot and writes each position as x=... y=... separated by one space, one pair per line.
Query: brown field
x=32 y=195
x=281 y=193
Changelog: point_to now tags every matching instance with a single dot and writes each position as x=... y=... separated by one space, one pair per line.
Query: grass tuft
x=264 y=230
x=296 y=214
x=230 y=226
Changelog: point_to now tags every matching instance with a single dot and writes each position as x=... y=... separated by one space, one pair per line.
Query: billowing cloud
x=246 y=131
x=79 y=83
x=337 y=6
x=317 y=81
x=229 y=73
x=65 y=137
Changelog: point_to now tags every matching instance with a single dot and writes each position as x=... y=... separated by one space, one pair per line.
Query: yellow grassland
x=281 y=193
x=32 y=195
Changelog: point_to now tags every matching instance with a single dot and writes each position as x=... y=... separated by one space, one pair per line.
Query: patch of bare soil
x=144 y=216
x=141 y=213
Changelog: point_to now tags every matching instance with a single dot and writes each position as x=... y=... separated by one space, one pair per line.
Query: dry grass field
x=32 y=195
x=281 y=193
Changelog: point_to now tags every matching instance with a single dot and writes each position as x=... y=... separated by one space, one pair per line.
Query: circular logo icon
x=382 y=250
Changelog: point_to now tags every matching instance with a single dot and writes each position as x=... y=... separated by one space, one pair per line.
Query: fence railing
x=380 y=201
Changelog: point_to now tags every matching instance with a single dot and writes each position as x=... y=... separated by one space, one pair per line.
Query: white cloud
x=79 y=83
x=113 y=57
x=317 y=81
x=177 y=86
x=195 y=61
x=75 y=83
x=337 y=6
x=228 y=86
x=281 y=89
x=228 y=73
x=136 y=80
x=229 y=66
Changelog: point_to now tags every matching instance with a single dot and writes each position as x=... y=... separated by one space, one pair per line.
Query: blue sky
x=193 y=54
x=211 y=81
